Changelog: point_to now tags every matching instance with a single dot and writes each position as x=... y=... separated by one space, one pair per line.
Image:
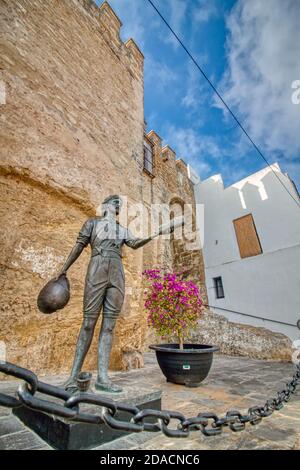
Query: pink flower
x=157 y=285
x=173 y=304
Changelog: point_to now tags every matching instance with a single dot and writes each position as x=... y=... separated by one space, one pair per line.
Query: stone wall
x=237 y=339
x=72 y=131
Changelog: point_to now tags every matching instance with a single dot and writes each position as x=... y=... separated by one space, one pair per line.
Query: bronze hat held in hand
x=54 y=296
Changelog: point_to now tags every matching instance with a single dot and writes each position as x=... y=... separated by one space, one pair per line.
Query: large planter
x=188 y=366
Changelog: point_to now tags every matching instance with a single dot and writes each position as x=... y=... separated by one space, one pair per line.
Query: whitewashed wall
x=266 y=285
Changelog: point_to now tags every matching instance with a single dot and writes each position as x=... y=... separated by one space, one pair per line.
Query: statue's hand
x=62 y=273
x=171 y=228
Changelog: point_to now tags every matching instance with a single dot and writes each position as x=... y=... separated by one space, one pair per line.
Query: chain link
x=209 y=424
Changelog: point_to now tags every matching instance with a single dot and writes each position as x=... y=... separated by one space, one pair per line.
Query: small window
x=247 y=238
x=218 y=284
x=148 y=158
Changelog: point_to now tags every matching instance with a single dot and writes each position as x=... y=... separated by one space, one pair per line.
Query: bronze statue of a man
x=104 y=286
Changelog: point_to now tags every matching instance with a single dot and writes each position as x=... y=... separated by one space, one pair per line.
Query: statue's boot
x=83 y=344
x=107 y=386
x=71 y=385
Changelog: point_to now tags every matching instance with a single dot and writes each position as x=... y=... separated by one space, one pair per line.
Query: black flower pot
x=188 y=366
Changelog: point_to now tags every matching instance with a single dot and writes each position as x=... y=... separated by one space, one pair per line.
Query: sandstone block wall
x=237 y=339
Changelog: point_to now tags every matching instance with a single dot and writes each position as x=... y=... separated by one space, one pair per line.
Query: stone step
x=14 y=435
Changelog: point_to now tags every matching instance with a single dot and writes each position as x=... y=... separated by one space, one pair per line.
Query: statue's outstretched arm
x=134 y=242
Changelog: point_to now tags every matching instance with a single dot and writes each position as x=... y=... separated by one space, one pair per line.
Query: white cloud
x=201 y=11
x=205 y=11
x=193 y=148
x=132 y=14
x=196 y=95
x=177 y=9
x=190 y=143
x=263 y=62
x=158 y=73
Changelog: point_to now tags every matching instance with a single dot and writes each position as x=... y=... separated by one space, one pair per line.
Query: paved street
x=234 y=383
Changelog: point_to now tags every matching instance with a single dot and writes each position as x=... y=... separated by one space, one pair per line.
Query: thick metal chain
x=209 y=423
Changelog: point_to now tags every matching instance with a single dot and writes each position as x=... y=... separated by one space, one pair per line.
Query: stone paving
x=233 y=383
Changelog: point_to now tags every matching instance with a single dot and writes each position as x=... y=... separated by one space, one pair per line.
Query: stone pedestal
x=63 y=434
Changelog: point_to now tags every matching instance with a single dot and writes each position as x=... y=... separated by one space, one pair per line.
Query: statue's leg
x=94 y=291
x=104 y=349
x=112 y=305
x=83 y=344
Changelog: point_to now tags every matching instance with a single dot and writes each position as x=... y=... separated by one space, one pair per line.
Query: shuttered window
x=219 y=290
x=148 y=158
x=247 y=238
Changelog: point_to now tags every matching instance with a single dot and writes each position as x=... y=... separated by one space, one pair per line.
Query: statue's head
x=112 y=204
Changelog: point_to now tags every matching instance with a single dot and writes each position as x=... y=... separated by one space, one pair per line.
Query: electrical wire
x=249 y=315
x=222 y=100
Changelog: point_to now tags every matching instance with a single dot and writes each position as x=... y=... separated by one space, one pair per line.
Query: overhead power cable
x=222 y=100
x=251 y=316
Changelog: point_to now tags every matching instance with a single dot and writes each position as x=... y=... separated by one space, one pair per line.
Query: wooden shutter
x=148 y=158
x=247 y=238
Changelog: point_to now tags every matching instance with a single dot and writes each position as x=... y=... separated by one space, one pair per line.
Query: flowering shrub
x=173 y=305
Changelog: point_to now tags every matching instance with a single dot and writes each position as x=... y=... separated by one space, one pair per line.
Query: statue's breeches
x=104 y=287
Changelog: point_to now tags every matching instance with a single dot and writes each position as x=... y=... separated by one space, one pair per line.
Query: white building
x=252 y=249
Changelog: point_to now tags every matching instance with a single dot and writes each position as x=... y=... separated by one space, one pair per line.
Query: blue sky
x=250 y=50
